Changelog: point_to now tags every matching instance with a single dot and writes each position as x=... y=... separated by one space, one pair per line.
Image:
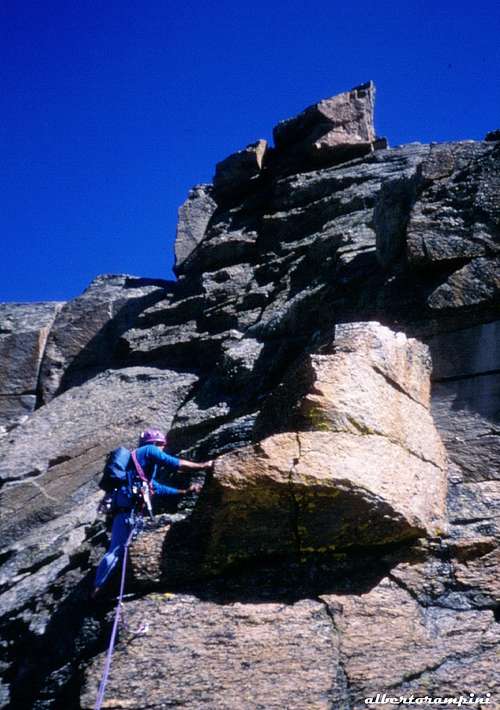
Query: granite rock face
x=321 y=563
x=50 y=467
x=83 y=337
x=234 y=660
x=466 y=408
x=388 y=643
x=193 y=218
x=24 y=329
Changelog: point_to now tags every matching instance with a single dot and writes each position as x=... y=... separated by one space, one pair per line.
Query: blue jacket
x=151 y=458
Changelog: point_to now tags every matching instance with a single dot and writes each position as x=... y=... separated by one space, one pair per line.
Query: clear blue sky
x=111 y=110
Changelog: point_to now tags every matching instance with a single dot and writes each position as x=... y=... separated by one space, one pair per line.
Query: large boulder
x=333 y=130
x=356 y=460
x=23 y=335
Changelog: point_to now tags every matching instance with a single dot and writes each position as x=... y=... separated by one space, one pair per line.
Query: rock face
x=23 y=335
x=263 y=642
x=466 y=406
x=337 y=550
x=194 y=216
x=83 y=337
x=56 y=466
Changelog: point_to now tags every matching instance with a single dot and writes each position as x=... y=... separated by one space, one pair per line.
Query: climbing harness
x=147 y=487
x=107 y=665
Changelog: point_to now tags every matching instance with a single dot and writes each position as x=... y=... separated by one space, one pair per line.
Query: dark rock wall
x=24 y=328
x=327 y=227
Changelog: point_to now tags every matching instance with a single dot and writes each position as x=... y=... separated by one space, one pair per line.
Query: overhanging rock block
x=357 y=461
x=333 y=130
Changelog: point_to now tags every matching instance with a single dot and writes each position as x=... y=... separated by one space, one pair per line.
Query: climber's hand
x=194 y=488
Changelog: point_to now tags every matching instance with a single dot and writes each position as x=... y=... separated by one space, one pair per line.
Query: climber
x=149 y=456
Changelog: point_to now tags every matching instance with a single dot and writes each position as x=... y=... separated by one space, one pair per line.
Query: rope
x=107 y=665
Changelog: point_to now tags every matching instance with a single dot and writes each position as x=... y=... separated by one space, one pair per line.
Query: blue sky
x=111 y=110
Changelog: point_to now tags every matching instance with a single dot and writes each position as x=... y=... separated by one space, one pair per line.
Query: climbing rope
x=107 y=665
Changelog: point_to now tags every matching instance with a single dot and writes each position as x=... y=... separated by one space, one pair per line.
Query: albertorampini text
x=471 y=699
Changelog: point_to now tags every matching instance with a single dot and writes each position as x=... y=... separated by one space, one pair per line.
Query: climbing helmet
x=153 y=436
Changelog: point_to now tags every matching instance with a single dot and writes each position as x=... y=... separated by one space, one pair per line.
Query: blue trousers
x=122 y=526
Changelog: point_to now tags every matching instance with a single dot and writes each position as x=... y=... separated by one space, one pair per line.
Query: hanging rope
x=107 y=665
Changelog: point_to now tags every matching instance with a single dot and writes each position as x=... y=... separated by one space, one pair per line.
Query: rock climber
x=150 y=457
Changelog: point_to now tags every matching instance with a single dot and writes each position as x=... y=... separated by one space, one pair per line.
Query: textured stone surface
x=368 y=380
x=457 y=217
x=350 y=468
x=477 y=283
x=50 y=467
x=466 y=352
x=466 y=409
x=317 y=491
x=49 y=470
x=193 y=218
x=83 y=338
x=229 y=239
x=49 y=459
x=206 y=655
x=339 y=127
x=389 y=644
x=440 y=226
x=14 y=409
x=24 y=328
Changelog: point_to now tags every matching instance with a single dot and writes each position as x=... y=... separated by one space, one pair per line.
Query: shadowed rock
x=493 y=135
x=24 y=329
x=85 y=333
x=50 y=465
x=457 y=214
x=234 y=175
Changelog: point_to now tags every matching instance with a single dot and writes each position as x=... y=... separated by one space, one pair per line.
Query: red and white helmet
x=153 y=436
